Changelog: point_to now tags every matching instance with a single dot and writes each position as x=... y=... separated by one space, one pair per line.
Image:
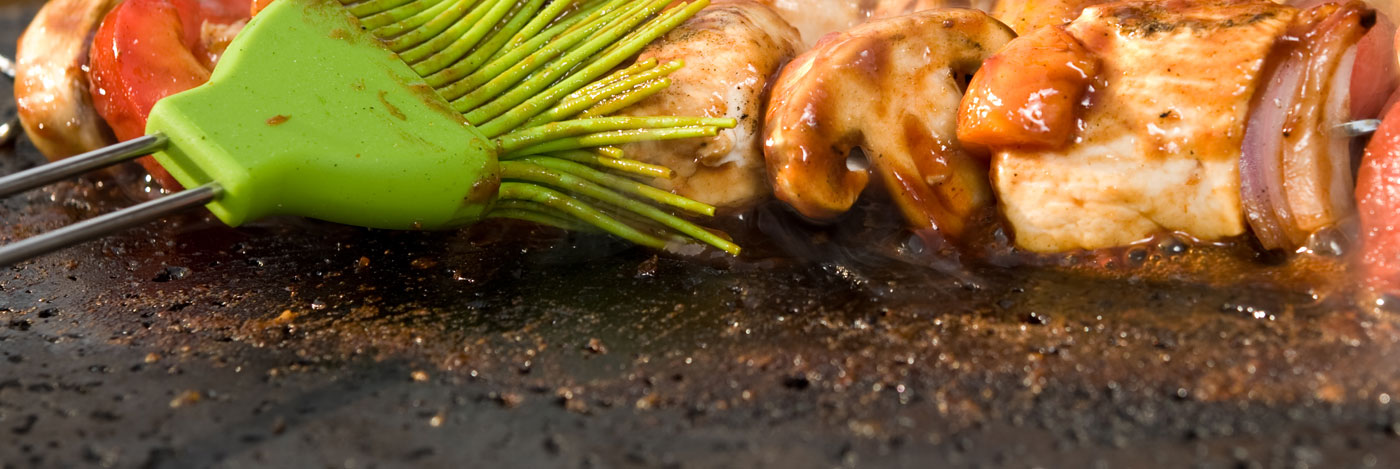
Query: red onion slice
x=1295 y=174
x=1337 y=150
x=1261 y=157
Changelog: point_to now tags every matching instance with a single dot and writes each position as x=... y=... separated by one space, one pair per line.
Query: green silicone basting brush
x=417 y=114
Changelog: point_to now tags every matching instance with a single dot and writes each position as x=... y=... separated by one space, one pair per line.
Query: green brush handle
x=308 y=114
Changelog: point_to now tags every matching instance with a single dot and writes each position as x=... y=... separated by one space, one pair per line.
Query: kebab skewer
x=939 y=187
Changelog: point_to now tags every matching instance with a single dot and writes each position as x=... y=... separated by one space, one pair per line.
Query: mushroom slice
x=51 y=84
x=890 y=87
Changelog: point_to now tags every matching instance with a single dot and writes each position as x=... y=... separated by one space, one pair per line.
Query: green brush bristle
x=540 y=78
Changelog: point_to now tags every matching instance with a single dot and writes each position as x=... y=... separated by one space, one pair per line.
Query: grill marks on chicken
x=730 y=49
x=1158 y=143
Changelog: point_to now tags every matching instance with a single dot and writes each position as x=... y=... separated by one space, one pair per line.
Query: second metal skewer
x=104 y=224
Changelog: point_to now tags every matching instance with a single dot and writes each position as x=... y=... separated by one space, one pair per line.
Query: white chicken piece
x=51 y=82
x=1158 y=147
x=730 y=49
x=817 y=18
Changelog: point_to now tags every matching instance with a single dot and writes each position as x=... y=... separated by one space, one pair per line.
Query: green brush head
x=429 y=114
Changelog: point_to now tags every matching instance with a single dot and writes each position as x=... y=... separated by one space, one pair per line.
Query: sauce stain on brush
x=393 y=110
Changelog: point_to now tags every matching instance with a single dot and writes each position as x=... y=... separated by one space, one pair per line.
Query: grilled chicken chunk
x=1153 y=133
x=730 y=49
x=51 y=82
x=1158 y=145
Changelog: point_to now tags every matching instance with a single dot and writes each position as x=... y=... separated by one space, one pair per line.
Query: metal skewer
x=69 y=167
x=7 y=67
x=106 y=224
x=102 y=225
x=10 y=129
x=1358 y=128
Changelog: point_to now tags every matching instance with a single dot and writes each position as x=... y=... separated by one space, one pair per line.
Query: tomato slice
x=1378 y=198
x=146 y=50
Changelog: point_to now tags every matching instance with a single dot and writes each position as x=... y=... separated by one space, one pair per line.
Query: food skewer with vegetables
x=1129 y=123
x=914 y=93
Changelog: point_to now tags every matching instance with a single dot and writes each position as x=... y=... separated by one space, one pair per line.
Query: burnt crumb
x=647 y=268
x=595 y=346
x=1037 y=319
x=797 y=383
x=25 y=426
x=186 y=398
x=172 y=273
x=420 y=453
x=105 y=416
x=551 y=444
x=508 y=400
x=571 y=401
